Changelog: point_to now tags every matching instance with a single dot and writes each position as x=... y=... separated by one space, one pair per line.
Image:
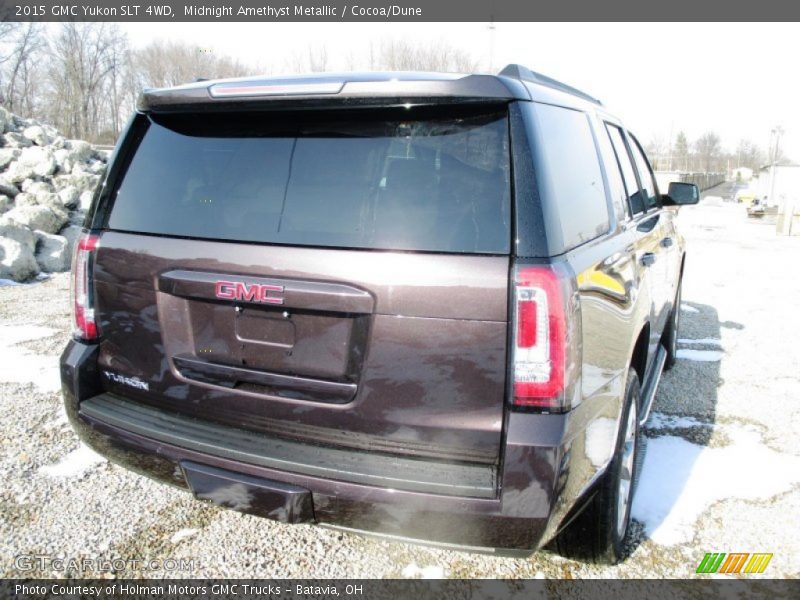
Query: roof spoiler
x=524 y=74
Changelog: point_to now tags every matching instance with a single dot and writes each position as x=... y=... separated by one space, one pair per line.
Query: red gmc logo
x=236 y=290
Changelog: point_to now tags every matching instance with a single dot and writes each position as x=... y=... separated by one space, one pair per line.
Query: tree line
x=706 y=154
x=84 y=78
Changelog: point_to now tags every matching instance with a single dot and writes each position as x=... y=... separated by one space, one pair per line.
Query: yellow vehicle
x=745 y=197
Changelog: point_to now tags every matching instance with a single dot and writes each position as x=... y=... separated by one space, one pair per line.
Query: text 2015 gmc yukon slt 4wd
x=433 y=307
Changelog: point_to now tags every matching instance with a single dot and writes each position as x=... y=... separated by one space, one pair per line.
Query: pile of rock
x=46 y=185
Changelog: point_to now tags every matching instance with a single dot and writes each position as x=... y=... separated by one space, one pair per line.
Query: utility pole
x=492 y=29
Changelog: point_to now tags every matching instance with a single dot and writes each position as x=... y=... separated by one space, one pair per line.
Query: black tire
x=670 y=338
x=598 y=533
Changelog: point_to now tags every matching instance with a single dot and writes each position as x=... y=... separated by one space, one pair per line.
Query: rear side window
x=572 y=173
x=408 y=179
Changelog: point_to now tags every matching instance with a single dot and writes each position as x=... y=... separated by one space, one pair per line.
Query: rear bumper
x=521 y=511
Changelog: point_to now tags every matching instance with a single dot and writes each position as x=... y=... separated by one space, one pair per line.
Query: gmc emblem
x=237 y=290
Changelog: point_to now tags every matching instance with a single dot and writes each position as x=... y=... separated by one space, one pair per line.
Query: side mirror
x=681 y=194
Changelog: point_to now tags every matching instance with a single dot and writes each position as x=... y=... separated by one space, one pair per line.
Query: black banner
x=396 y=10
x=252 y=589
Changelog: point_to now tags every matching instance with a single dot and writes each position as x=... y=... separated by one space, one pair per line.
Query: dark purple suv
x=432 y=307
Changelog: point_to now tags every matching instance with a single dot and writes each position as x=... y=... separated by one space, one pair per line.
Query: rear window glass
x=407 y=179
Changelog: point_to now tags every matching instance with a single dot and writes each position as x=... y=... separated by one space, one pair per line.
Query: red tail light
x=86 y=327
x=540 y=336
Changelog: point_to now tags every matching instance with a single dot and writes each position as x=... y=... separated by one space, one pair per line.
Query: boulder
x=17 y=261
x=86 y=200
x=37 y=135
x=32 y=162
x=71 y=233
x=7 y=155
x=25 y=199
x=52 y=252
x=97 y=167
x=43 y=198
x=63 y=160
x=5 y=203
x=69 y=196
x=8 y=189
x=38 y=217
x=77 y=217
x=37 y=187
x=18 y=172
x=79 y=150
x=41 y=159
x=5 y=119
x=15 y=231
x=16 y=140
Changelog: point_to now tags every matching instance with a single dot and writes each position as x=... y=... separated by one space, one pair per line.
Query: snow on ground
x=700 y=355
x=75 y=464
x=20 y=365
x=680 y=480
x=182 y=534
x=412 y=571
x=688 y=308
x=659 y=420
x=701 y=341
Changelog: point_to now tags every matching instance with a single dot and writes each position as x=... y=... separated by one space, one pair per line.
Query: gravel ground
x=721 y=474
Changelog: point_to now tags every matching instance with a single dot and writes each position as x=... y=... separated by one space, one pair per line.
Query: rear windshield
x=402 y=179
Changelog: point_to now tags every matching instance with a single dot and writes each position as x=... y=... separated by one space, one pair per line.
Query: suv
x=432 y=307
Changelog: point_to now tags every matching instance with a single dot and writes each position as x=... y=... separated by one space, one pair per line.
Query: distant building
x=779 y=185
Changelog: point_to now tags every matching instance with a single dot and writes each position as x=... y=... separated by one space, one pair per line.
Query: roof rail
x=525 y=74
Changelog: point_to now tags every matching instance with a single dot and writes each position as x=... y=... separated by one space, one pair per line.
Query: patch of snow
x=20 y=365
x=9 y=282
x=182 y=534
x=690 y=309
x=14 y=334
x=412 y=571
x=660 y=420
x=706 y=341
x=75 y=464
x=600 y=436
x=681 y=480
x=700 y=355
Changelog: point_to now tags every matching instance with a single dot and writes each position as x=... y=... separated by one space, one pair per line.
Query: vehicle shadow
x=681 y=423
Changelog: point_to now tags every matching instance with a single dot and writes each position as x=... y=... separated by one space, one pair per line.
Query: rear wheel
x=598 y=533
x=671 y=334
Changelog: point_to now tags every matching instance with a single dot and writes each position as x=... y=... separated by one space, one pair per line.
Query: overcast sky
x=740 y=80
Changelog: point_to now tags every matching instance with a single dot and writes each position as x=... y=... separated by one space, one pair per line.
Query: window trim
x=657 y=205
x=633 y=216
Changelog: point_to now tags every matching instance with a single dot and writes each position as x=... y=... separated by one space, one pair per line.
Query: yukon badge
x=133 y=382
x=237 y=290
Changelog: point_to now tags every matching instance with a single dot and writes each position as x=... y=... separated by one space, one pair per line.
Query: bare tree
x=657 y=149
x=709 y=151
x=164 y=64
x=399 y=55
x=314 y=60
x=22 y=46
x=682 y=151
x=748 y=155
x=85 y=58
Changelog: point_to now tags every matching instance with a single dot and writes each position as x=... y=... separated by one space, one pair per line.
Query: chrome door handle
x=647 y=259
x=667 y=242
